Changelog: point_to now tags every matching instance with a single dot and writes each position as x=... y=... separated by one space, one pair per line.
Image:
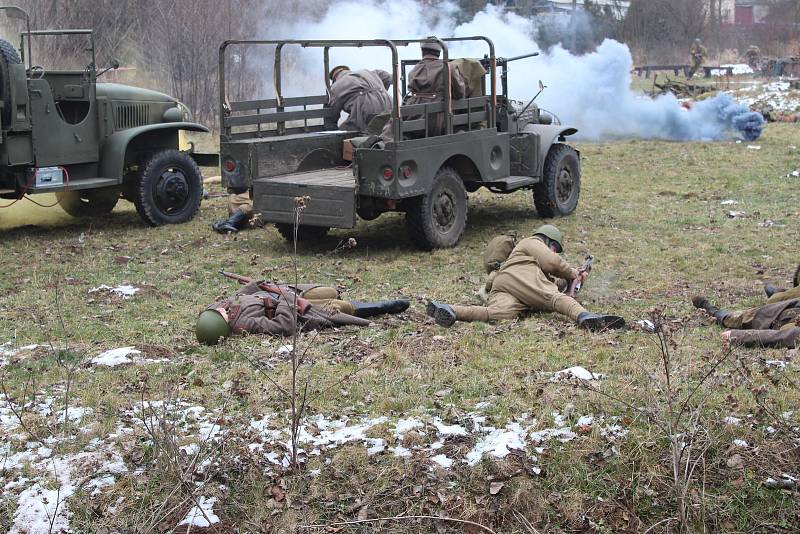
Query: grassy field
x=184 y=424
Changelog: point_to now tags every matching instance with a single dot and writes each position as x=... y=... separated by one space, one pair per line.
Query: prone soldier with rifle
x=281 y=310
x=526 y=281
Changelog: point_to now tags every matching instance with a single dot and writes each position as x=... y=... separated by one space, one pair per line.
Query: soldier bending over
x=260 y=308
x=362 y=94
x=525 y=282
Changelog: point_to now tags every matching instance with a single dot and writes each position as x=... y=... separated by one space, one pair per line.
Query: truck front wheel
x=88 y=202
x=438 y=219
x=170 y=188
x=558 y=192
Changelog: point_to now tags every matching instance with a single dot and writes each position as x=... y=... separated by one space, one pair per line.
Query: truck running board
x=511 y=183
x=331 y=198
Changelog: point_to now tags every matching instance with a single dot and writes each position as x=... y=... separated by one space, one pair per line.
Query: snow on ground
x=125 y=291
x=779 y=95
x=202 y=514
x=114 y=357
x=738 y=69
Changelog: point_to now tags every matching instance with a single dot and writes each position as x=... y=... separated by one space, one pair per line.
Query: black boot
x=771 y=289
x=443 y=314
x=703 y=304
x=598 y=321
x=371 y=309
x=237 y=221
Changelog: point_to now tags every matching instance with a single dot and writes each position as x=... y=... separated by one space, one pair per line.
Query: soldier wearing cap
x=697 y=54
x=361 y=94
x=525 y=282
x=753 y=56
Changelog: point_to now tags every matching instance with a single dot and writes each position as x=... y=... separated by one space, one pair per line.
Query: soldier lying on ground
x=775 y=294
x=283 y=309
x=773 y=325
x=361 y=94
x=240 y=211
x=525 y=282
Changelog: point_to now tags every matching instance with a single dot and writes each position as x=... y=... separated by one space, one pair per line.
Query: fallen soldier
x=280 y=310
x=772 y=325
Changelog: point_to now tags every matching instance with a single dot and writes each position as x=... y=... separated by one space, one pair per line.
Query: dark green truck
x=279 y=149
x=93 y=143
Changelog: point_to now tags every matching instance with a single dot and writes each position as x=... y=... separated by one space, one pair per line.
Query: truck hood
x=116 y=91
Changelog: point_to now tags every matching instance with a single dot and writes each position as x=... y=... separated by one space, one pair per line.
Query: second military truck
x=279 y=149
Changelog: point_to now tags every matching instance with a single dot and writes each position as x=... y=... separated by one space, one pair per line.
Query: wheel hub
x=172 y=191
x=444 y=213
x=565 y=183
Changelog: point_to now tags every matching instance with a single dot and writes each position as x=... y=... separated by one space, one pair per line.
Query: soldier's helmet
x=552 y=233
x=211 y=327
x=431 y=46
x=697 y=41
x=336 y=70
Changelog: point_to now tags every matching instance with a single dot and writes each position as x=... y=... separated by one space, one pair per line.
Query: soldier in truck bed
x=526 y=281
x=279 y=310
x=426 y=83
x=361 y=94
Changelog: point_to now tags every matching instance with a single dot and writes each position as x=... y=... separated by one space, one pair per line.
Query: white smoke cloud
x=591 y=91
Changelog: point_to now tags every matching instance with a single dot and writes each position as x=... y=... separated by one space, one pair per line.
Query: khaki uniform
x=526 y=282
x=789 y=294
x=772 y=325
x=697 y=53
x=362 y=95
x=240 y=201
x=253 y=311
x=752 y=56
x=426 y=83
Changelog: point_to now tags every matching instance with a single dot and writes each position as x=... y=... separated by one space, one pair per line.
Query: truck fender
x=548 y=134
x=115 y=146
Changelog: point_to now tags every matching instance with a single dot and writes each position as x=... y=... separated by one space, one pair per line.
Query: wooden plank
x=271 y=103
x=413 y=126
x=283 y=116
x=472 y=118
x=478 y=102
x=419 y=109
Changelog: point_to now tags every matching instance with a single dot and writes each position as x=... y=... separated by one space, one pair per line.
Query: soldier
x=240 y=211
x=697 y=54
x=259 y=308
x=426 y=83
x=753 y=55
x=362 y=94
x=525 y=282
x=775 y=294
x=770 y=325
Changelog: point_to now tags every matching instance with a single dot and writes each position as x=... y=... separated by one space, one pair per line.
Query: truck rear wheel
x=170 y=188
x=8 y=56
x=558 y=192
x=88 y=202
x=305 y=234
x=438 y=219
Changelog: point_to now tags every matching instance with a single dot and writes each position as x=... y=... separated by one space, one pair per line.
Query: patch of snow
x=754 y=147
x=498 y=443
x=114 y=357
x=400 y=451
x=377 y=445
x=284 y=349
x=731 y=420
x=191 y=449
x=202 y=514
x=736 y=215
x=443 y=461
x=406 y=425
x=729 y=202
x=585 y=420
x=738 y=69
x=740 y=443
x=125 y=291
x=446 y=430
x=482 y=405
x=612 y=432
x=575 y=372
x=75 y=413
x=561 y=434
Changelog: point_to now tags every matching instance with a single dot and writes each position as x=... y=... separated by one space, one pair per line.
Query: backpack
x=498 y=250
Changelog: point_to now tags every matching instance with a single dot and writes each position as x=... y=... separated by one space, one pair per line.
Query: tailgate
x=331 y=202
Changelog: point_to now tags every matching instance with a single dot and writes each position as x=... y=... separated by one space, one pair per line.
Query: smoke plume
x=591 y=91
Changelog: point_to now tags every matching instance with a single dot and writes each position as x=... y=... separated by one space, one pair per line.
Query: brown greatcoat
x=252 y=311
x=526 y=282
x=362 y=95
x=771 y=325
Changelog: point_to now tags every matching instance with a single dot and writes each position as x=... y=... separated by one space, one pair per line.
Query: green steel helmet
x=211 y=327
x=552 y=233
x=336 y=70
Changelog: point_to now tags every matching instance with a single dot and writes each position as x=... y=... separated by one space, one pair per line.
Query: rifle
x=503 y=62
x=575 y=285
x=302 y=304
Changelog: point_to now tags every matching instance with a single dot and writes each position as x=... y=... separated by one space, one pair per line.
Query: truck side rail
x=270 y=118
x=467 y=112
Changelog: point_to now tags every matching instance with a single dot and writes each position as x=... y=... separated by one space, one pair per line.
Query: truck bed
x=331 y=197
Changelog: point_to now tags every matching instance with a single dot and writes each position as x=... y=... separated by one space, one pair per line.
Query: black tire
x=170 y=188
x=560 y=188
x=88 y=202
x=8 y=56
x=438 y=219
x=305 y=234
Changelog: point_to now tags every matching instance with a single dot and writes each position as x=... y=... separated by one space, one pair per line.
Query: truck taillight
x=229 y=165
x=405 y=171
x=388 y=174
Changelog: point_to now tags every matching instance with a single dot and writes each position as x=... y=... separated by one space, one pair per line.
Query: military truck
x=278 y=148
x=92 y=143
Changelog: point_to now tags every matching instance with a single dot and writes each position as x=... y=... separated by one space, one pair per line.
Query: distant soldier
x=240 y=211
x=697 y=54
x=259 y=308
x=361 y=94
x=753 y=56
x=426 y=83
x=771 y=325
x=526 y=282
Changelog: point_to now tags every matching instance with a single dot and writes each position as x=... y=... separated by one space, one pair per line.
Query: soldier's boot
x=599 y=321
x=717 y=313
x=237 y=221
x=371 y=309
x=443 y=314
x=771 y=289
